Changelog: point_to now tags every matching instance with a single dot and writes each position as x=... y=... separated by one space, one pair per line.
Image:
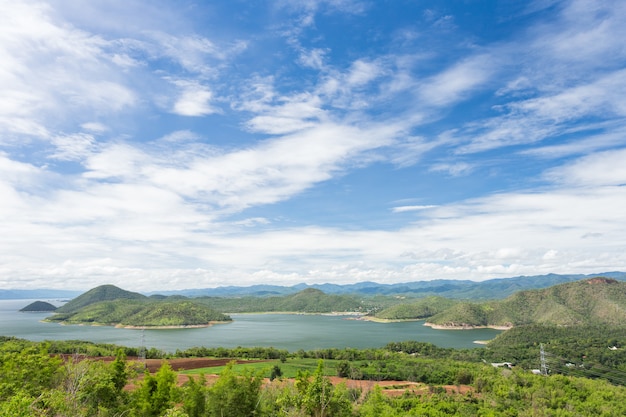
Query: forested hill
x=309 y=300
x=590 y=301
x=98 y=294
x=148 y=313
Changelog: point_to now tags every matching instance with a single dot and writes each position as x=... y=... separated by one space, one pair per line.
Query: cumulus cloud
x=194 y=100
x=104 y=181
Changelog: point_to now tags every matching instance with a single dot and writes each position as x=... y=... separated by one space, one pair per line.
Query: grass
x=289 y=368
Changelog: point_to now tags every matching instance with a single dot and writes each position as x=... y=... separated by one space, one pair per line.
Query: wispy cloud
x=157 y=152
x=403 y=209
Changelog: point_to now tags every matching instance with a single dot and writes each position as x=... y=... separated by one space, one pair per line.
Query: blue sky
x=168 y=145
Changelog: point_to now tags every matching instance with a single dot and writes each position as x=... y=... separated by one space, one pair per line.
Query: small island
x=39 y=306
x=111 y=306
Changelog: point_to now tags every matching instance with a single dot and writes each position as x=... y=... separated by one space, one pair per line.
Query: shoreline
x=301 y=313
x=379 y=320
x=133 y=327
x=465 y=327
x=179 y=326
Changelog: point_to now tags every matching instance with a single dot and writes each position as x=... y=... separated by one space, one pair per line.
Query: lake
x=283 y=331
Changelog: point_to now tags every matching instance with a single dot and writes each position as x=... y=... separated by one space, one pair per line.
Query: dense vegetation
x=578 y=327
x=418 y=309
x=110 y=305
x=33 y=382
x=39 y=306
x=592 y=301
x=306 y=301
x=98 y=294
x=129 y=312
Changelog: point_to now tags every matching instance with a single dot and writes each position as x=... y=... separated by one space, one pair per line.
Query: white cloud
x=589 y=143
x=74 y=147
x=48 y=70
x=455 y=169
x=194 y=100
x=403 y=209
x=455 y=83
x=313 y=58
x=362 y=72
x=599 y=169
x=94 y=127
x=153 y=205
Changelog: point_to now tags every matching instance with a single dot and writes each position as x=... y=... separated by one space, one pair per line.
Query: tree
x=276 y=373
x=319 y=398
x=195 y=397
x=29 y=369
x=234 y=395
x=120 y=374
x=157 y=393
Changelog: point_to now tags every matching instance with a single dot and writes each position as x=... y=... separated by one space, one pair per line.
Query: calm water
x=283 y=331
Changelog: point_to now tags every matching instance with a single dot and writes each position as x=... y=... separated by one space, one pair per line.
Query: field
x=189 y=367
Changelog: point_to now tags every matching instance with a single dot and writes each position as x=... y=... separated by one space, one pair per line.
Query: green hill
x=98 y=294
x=309 y=300
x=149 y=313
x=420 y=309
x=39 y=306
x=110 y=305
x=590 y=301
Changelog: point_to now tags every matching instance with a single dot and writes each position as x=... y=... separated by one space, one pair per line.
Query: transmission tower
x=542 y=354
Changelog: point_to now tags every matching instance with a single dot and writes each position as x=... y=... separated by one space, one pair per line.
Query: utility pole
x=542 y=354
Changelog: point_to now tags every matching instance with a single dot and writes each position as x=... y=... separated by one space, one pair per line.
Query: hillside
x=590 y=301
x=149 y=313
x=39 y=306
x=309 y=300
x=98 y=294
x=420 y=309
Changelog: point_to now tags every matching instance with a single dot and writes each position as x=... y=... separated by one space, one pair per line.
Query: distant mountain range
x=38 y=294
x=457 y=289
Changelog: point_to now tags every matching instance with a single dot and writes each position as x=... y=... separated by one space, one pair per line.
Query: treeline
x=309 y=300
x=596 y=301
x=35 y=383
x=130 y=312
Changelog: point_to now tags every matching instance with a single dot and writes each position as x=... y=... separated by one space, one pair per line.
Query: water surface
x=282 y=331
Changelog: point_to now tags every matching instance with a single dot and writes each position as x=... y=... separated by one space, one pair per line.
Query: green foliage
x=419 y=309
x=99 y=294
x=234 y=395
x=20 y=404
x=195 y=395
x=306 y=301
x=157 y=393
x=593 y=301
x=76 y=387
x=319 y=398
x=39 y=306
x=28 y=370
x=276 y=372
x=597 y=351
x=143 y=313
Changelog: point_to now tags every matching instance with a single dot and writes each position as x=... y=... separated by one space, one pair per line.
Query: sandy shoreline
x=182 y=326
x=465 y=327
